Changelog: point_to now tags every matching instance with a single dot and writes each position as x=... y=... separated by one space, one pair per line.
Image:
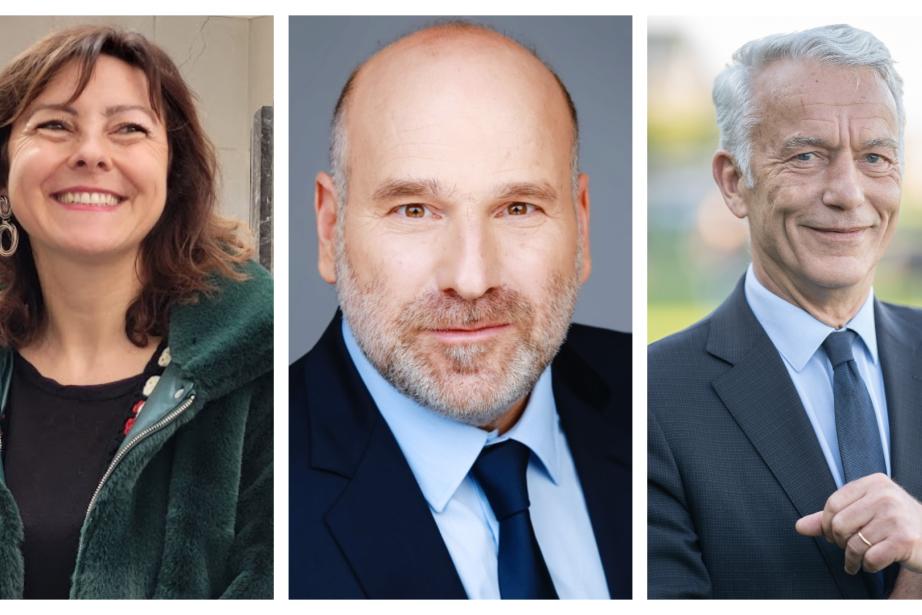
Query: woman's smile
x=81 y=198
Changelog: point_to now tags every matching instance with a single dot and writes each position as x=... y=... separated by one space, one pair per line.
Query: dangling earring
x=6 y=226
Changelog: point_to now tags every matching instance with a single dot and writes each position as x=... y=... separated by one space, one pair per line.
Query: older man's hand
x=887 y=517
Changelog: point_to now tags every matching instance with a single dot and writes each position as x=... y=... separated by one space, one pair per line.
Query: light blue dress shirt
x=441 y=452
x=798 y=336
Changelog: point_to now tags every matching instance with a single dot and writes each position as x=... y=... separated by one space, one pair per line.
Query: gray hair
x=339 y=154
x=837 y=44
x=339 y=145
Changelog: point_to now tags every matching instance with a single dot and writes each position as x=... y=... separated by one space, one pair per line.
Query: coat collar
x=899 y=333
x=219 y=342
x=224 y=339
x=796 y=333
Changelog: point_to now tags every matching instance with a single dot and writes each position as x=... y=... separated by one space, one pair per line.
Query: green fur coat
x=185 y=510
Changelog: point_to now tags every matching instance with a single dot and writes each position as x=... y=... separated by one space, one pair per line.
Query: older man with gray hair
x=784 y=428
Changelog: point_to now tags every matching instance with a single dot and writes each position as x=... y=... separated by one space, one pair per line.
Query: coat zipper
x=166 y=420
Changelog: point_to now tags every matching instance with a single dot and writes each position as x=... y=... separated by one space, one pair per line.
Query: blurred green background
x=697 y=250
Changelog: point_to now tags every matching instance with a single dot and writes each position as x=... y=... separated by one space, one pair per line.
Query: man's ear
x=326 y=207
x=731 y=182
x=582 y=214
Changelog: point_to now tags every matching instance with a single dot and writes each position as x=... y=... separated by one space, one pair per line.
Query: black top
x=58 y=441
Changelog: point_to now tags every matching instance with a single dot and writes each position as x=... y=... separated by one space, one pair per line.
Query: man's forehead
x=798 y=85
x=486 y=104
x=464 y=42
x=806 y=98
x=445 y=55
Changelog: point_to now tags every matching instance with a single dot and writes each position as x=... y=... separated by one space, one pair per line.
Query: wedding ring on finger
x=864 y=540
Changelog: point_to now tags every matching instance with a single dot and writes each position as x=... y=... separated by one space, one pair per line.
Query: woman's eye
x=52 y=125
x=132 y=128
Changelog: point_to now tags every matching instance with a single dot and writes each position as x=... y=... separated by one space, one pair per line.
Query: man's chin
x=840 y=274
x=477 y=389
x=469 y=402
x=474 y=361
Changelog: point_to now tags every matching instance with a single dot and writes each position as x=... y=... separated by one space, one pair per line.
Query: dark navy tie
x=500 y=470
x=856 y=423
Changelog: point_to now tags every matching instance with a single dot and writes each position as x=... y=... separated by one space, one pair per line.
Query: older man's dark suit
x=734 y=461
x=359 y=524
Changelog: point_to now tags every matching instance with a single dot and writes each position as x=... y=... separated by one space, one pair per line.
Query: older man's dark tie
x=856 y=423
x=500 y=470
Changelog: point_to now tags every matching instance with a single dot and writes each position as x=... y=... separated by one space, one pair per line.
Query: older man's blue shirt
x=441 y=451
x=798 y=336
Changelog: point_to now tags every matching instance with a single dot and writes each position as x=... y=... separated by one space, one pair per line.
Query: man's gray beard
x=464 y=394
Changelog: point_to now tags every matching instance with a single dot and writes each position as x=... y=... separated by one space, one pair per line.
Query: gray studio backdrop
x=593 y=57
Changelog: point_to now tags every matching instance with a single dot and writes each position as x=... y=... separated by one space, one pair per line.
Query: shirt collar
x=796 y=334
x=440 y=450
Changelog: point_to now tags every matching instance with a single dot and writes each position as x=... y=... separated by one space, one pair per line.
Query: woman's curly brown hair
x=188 y=244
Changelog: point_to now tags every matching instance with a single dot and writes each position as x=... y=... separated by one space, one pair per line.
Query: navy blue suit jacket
x=359 y=524
x=734 y=461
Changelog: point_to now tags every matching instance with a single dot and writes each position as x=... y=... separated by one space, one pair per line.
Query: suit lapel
x=900 y=349
x=381 y=521
x=386 y=531
x=899 y=344
x=601 y=449
x=757 y=390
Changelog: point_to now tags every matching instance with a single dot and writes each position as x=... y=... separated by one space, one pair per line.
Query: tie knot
x=500 y=470
x=838 y=347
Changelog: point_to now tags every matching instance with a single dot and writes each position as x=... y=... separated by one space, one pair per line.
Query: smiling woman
x=88 y=176
x=124 y=296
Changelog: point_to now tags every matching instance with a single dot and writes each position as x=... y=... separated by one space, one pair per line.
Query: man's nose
x=469 y=266
x=91 y=152
x=844 y=186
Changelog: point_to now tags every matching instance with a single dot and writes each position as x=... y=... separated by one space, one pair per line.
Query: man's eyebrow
x=432 y=189
x=886 y=142
x=527 y=190
x=802 y=141
x=408 y=188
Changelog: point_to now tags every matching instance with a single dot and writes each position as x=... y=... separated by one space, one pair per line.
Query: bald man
x=446 y=442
